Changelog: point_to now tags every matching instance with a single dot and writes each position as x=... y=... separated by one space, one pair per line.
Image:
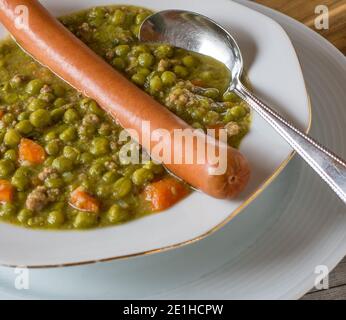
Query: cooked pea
x=36 y=104
x=168 y=78
x=119 y=63
x=110 y=177
x=24 y=215
x=57 y=114
x=71 y=116
x=69 y=134
x=55 y=218
x=71 y=153
x=24 y=127
x=153 y=167
x=59 y=102
x=122 y=50
x=142 y=176
x=230 y=97
x=7 y=210
x=21 y=182
x=181 y=71
x=96 y=170
x=47 y=96
x=116 y=214
x=34 y=86
x=12 y=138
x=54 y=183
x=103 y=191
x=99 y=146
x=141 y=17
x=119 y=17
x=211 y=118
x=23 y=116
x=51 y=135
x=85 y=220
x=59 y=90
x=86 y=158
x=11 y=155
x=94 y=108
x=212 y=93
x=156 y=84
x=238 y=112
x=139 y=78
x=40 y=118
x=62 y=164
x=69 y=178
x=122 y=187
x=146 y=60
x=52 y=148
x=190 y=61
x=164 y=51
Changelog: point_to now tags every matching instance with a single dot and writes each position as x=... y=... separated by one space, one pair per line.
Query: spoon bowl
x=197 y=33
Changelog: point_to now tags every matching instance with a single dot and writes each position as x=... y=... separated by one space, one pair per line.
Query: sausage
x=51 y=44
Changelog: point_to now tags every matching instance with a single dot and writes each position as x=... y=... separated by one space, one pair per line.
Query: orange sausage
x=50 y=43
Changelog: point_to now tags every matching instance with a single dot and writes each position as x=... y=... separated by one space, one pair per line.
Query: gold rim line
x=232 y=215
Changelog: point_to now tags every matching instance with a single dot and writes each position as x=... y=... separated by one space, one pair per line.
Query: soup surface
x=62 y=164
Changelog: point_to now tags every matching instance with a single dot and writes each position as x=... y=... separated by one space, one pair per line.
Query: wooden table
x=304 y=11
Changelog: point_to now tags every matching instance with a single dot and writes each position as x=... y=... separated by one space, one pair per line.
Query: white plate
x=270 y=251
x=275 y=74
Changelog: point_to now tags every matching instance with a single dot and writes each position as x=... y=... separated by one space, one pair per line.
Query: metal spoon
x=197 y=33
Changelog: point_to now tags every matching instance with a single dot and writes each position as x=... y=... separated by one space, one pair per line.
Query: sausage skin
x=51 y=44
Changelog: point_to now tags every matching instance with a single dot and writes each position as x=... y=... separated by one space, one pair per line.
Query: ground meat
x=91 y=119
x=163 y=65
x=17 y=79
x=46 y=89
x=110 y=54
x=85 y=27
x=37 y=199
x=232 y=129
x=53 y=194
x=48 y=173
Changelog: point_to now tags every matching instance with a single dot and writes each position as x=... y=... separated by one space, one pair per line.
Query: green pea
x=85 y=220
x=59 y=102
x=142 y=176
x=211 y=118
x=48 y=162
x=52 y=148
x=8 y=118
x=68 y=135
x=57 y=114
x=59 y=90
x=230 y=96
x=23 y=116
x=96 y=170
x=24 y=127
x=71 y=116
x=55 y=218
x=24 y=215
x=86 y=158
x=36 y=104
x=238 y=112
x=34 y=86
x=12 y=138
x=46 y=96
x=116 y=214
x=50 y=135
x=153 y=167
x=21 y=182
x=105 y=129
x=110 y=177
x=119 y=17
x=122 y=50
x=181 y=71
x=119 y=63
x=62 y=164
x=69 y=178
x=146 y=60
x=40 y=118
x=164 y=51
x=206 y=76
x=122 y=187
x=99 y=146
x=103 y=191
x=141 y=17
x=156 y=84
x=11 y=155
x=168 y=78
x=94 y=108
x=211 y=93
x=71 y=153
x=10 y=97
x=7 y=210
x=139 y=79
x=144 y=71
x=190 y=61
x=54 y=183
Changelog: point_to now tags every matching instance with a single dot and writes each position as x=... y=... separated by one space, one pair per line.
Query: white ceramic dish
x=265 y=46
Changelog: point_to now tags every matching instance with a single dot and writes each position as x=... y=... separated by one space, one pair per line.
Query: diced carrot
x=198 y=83
x=6 y=191
x=31 y=151
x=165 y=193
x=83 y=201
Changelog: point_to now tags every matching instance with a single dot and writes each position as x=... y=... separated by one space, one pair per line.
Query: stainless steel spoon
x=197 y=33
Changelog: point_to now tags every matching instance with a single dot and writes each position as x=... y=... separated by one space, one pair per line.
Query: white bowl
x=275 y=74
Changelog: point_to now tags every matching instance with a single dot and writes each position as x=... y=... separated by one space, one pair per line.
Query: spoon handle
x=330 y=167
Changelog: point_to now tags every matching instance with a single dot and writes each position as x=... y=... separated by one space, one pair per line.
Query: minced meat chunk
x=37 y=199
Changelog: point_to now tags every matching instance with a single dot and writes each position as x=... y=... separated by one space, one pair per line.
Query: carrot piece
x=198 y=83
x=31 y=151
x=165 y=193
x=83 y=201
x=6 y=191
